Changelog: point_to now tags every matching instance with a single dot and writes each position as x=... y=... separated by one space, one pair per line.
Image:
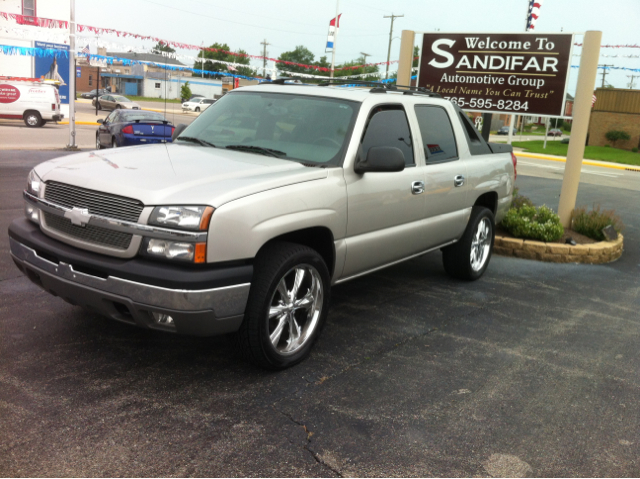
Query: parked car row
x=94 y=93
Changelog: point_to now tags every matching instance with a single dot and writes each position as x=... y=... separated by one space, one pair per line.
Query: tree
x=300 y=54
x=211 y=65
x=615 y=135
x=161 y=47
x=185 y=92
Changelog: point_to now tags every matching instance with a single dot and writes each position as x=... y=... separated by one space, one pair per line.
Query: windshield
x=299 y=128
x=122 y=99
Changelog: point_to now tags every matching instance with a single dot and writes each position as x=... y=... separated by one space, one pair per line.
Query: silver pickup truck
x=270 y=197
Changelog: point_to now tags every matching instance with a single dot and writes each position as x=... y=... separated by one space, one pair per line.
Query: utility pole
x=72 y=78
x=631 y=82
x=264 y=59
x=392 y=17
x=365 y=55
x=604 y=72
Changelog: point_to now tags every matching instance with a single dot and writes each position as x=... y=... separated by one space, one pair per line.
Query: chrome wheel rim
x=481 y=244
x=295 y=309
x=32 y=120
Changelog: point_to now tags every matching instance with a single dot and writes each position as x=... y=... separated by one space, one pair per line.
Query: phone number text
x=488 y=103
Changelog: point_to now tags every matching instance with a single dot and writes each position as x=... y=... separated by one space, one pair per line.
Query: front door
x=385 y=210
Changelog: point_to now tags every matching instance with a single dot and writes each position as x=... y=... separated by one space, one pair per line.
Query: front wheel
x=197 y=109
x=99 y=106
x=32 y=119
x=98 y=145
x=287 y=306
x=468 y=258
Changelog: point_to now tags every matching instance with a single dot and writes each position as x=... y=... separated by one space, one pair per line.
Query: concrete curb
x=595 y=253
x=615 y=166
x=79 y=123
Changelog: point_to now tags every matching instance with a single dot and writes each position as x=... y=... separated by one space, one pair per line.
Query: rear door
x=446 y=182
x=385 y=210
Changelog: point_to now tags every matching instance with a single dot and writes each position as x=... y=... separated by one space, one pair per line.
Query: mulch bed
x=577 y=237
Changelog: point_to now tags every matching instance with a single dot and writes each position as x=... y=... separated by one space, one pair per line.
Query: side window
x=111 y=118
x=388 y=126
x=438 y=139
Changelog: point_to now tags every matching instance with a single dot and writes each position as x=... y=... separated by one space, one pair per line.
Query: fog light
x=171 y=249
x=161 y=318
x=32 y=213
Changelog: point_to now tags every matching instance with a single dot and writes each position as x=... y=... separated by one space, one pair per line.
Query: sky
x=284 y=24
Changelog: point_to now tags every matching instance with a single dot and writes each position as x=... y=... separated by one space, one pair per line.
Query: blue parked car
x=133 y=127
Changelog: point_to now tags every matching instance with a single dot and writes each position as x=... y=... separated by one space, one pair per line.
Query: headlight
x=175 y=250
x=182 y=217
x=33 y=183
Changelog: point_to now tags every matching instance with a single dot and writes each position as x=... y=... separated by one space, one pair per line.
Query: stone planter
x=595 y=253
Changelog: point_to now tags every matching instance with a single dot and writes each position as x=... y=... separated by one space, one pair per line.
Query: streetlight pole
x=392 y=17
x=72 y=77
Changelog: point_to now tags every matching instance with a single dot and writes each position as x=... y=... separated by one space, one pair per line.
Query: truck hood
x=176 y=173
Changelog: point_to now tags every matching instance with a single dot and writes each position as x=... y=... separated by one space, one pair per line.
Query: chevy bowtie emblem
x=151 y=128
x=78 y=216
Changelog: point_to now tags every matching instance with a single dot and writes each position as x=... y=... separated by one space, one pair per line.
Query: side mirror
x=179 y=129
x=381 y=159
x=100 y=120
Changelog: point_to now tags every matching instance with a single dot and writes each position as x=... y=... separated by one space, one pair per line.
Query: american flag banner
x=332 y=33
x=86 y=50
x=534 y=12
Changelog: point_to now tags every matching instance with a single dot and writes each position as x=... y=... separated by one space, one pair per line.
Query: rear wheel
x=468 y=258
x=197 y=109
x=99 y=106
x=118 y=107
x=114 y=144
x=287 y=306
x=32 y=119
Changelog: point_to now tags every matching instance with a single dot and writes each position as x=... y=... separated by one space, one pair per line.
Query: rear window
x=141 y=115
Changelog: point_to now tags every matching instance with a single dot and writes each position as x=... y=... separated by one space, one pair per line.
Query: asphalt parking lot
x=530 y=371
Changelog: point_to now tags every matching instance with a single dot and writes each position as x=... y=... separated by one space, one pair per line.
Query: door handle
x=458 y=180
x=417 y=187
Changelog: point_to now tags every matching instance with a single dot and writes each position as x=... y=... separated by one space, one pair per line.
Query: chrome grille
x=103 y=204
x=88 y=233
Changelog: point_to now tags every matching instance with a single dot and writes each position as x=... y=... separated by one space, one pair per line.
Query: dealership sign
x=524 y=73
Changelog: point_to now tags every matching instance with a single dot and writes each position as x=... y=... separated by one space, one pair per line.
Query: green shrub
x=634 y=149
x=615 y=135
x=518 y=200
x=185 y=92
x=529 y=222
x=607 y=146
x=566 y=126
x=590 y=223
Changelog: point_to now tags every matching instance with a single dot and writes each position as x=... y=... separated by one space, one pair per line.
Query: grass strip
x=602 y=153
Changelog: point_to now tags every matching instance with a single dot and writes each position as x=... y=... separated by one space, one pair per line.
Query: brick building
x=615 y=109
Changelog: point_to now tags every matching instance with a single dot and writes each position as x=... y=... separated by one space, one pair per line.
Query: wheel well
x=24 y=115
x=488 y=200
x=318 y=238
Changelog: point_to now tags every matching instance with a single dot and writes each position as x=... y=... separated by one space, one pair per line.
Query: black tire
x=43 y=122
x=277 y=264
x=99 y=106
x=197 y=109
x=98 y=144
x=32 y=119
x=114 y=143
x=118 y=107
x=457 y=258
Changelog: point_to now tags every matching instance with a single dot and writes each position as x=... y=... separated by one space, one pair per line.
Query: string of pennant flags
x=63 y=24
x=55 y=52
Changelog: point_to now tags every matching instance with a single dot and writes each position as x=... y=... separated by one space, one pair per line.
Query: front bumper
x=201 y=301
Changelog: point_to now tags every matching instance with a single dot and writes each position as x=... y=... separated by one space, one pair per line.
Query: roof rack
x=379 y=87
x=282 y=81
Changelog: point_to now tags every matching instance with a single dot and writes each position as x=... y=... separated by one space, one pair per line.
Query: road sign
x=525 y=73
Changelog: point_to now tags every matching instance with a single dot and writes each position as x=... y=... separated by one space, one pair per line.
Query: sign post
x=581 y=113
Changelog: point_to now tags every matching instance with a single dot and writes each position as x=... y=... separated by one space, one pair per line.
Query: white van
x=29 y=99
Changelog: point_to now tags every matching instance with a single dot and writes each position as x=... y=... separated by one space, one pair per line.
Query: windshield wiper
x=193 y=139
x=258 y=149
